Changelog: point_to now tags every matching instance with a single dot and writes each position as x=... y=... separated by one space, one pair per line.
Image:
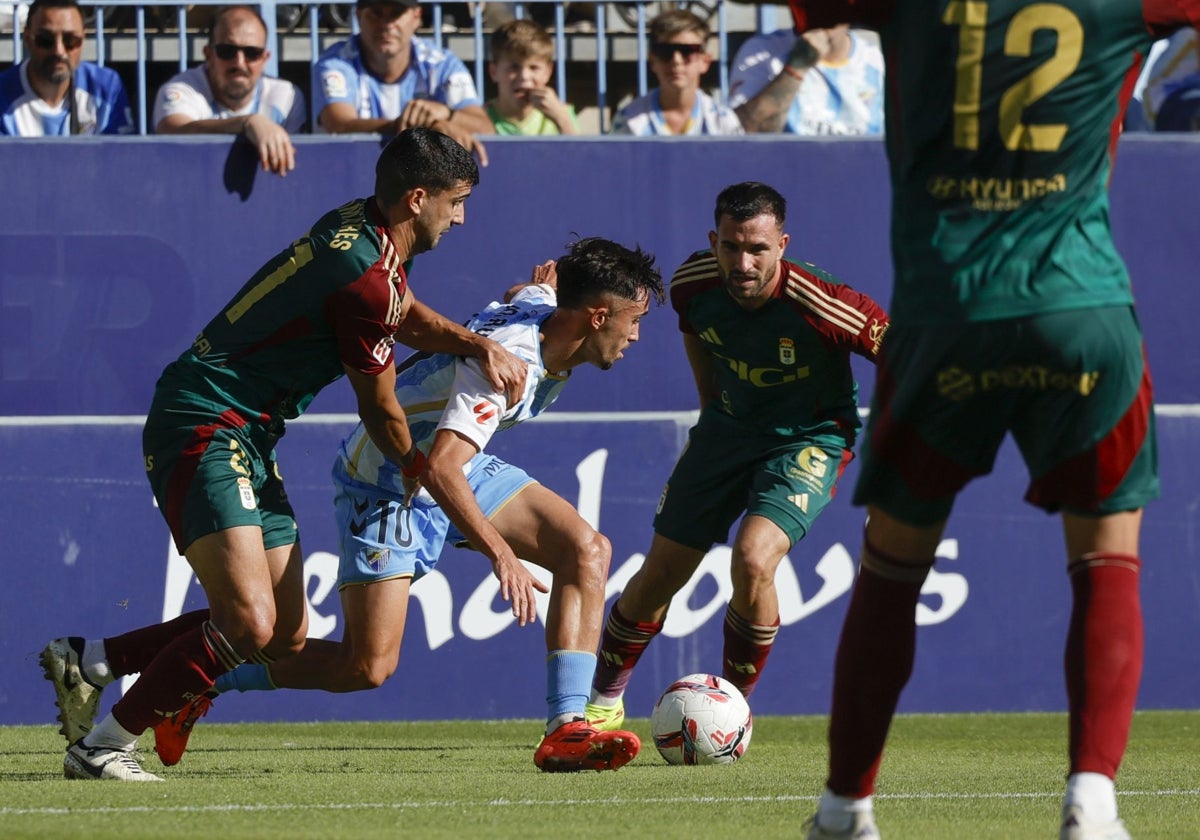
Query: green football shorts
x=209 y=477
x=1072 y=387
x=725 y=471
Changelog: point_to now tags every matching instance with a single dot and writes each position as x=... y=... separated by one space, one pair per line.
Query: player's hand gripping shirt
x=783 y=368
x=433 y=73
x=99 y=102
x=332 y=298
x=441 y=391
x=1002 y=116
x=190 y=94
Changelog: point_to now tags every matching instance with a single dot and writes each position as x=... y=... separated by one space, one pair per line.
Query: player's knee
x=369 y=674
x=593 y=556
x=248 y=630
x=753 y=570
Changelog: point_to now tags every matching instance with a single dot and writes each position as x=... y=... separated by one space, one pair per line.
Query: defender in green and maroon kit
x=331 y=299
x=331 y=304
x=769 y=343
x=1012 y=313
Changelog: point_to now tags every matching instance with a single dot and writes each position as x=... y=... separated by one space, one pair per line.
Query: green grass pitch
x=982 y=776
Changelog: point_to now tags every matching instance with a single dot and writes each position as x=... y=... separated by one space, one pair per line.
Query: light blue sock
x=245 y=677
x=568 y=682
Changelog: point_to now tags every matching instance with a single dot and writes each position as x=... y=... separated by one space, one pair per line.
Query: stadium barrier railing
x=142 y=32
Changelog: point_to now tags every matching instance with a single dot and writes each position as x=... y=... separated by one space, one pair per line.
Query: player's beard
x=733 y=283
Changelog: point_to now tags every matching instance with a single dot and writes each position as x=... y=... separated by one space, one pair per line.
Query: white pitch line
x=551 y=803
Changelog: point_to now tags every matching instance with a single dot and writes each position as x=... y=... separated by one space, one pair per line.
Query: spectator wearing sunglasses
x=679 y=59
x=385 y=79
x=230 y=95
x=53 y=92
x=828 y=82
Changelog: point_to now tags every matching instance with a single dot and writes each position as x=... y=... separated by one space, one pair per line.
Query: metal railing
x=600 y=45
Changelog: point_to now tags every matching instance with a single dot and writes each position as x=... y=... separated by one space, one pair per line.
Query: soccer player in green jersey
x=331 y=304
x=769 y=343
x=1012 y=313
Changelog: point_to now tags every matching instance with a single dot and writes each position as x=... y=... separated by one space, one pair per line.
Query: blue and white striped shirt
x=441 y=391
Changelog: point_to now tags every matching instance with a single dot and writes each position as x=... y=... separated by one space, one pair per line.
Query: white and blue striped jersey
x=834 y=98
x=101 y=106
x=441 y=391
x=433 y=73
x=189 y=93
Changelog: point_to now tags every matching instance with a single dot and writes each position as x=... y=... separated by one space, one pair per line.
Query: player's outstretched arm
x=426 y=330
x=444 y=479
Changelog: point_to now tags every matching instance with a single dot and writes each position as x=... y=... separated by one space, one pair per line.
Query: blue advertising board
x=99 y=290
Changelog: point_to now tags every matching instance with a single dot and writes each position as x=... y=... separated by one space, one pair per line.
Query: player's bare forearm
x=426 y=330
x=381 y=414
x=443 y=478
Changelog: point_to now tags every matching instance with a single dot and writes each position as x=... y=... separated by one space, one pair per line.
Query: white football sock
x=110 y=735
x=95 y=662
x=837 y=812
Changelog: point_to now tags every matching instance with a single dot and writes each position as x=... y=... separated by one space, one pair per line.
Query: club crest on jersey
x=377 y=558
x=787 y=351
x=382 y=352
x=246 y=493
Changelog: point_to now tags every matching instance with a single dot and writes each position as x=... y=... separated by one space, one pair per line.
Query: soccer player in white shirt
x=584 y=308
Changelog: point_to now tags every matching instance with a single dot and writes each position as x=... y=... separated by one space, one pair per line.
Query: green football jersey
x=330 y=299
x=784 y=368
x=1001 y=120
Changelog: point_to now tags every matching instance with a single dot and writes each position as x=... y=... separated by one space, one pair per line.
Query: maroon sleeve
x=844 y=317
x=365 y=315
x=698 y=274
x=1165 y=16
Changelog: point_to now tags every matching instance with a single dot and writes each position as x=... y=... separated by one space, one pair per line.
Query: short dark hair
x=38 y=5
x=749 y=199
x=593 y=267
x=422 y=157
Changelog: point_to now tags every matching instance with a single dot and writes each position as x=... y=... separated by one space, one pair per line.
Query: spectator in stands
x=53 y=92
x=230 y=94
x=1170 y=100
x=679 y=58
x=522 y=60
x=827 y=82
x=385 y=79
